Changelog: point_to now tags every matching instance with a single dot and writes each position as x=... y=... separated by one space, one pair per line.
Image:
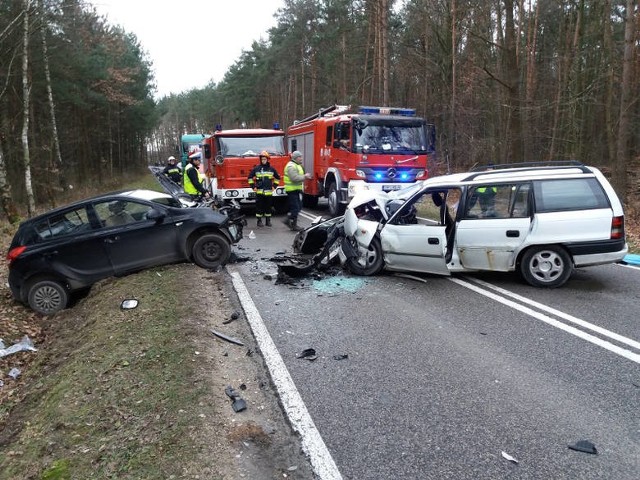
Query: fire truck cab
x=230 y=155
x=374 y=148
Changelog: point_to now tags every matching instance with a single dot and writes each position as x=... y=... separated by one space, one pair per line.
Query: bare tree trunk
x=384 y=50
x=344 y=67
x=452 y=118
x=608 y=103
x=512 y=79
x=302 y=89
x=530 y=87
x=376 y=94
x=626 y=107
x=314 y=75
x=58 y=170
x=366 y=64
x=31 y=205
x=7 y=205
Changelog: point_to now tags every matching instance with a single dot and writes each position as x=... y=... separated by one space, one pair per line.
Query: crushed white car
x=540 y=220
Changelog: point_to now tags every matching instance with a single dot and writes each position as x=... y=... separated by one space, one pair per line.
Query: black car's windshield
x=251 y=146
x=390 y=136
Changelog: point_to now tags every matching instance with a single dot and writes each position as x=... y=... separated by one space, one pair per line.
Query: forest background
x=503 y=81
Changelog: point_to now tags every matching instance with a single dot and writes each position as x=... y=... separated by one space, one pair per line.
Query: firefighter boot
x=294 y=225
x=268 y=221
x=259 y=224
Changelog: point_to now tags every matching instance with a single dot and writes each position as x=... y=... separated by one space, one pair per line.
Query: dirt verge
x=140 y=393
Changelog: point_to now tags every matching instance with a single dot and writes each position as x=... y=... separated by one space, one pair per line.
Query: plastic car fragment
x=234 y=316
x=506 y=456
x=411 y=277
x=23 y=345
x=308 y=354
x=227 y=338
x=129 y=304
x=584 y=446
x=238 y=404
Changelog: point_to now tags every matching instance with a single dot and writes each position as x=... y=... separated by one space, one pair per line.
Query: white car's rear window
x=569 y=194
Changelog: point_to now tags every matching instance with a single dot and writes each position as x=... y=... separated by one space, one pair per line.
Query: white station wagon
x=541 y=220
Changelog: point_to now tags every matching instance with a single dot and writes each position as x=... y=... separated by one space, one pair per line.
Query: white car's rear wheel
x=546 y=266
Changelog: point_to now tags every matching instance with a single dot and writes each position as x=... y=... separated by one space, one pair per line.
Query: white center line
x=634 y=357
x=566 y=316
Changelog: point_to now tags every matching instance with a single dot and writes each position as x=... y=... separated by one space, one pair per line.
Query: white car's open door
x=416 y=248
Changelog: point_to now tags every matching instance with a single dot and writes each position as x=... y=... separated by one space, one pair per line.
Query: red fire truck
x=229 y=156
x=374 y=148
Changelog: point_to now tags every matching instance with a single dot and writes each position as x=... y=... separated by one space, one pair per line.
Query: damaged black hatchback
x=72 y=247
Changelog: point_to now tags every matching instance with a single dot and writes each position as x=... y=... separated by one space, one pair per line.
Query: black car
x=72 y=247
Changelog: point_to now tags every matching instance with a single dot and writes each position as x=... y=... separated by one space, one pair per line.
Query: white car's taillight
x=617 y=228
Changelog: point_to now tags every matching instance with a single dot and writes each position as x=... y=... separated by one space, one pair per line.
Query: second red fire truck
x=229 y=156
x=372 y=148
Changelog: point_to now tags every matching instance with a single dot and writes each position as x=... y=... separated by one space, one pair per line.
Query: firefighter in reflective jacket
x=264 y=179
x=193 y=179
x=486 y=196
x=294 y=178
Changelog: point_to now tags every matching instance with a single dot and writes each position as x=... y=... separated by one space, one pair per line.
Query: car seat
x=118 y=215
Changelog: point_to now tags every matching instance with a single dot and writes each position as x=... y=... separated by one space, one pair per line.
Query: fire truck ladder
x=333 y=110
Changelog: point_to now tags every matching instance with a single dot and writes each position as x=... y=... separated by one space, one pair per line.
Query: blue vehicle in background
x=190 y=144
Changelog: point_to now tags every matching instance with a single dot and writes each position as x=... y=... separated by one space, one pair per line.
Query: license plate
x=389 y=188
x=251 y=195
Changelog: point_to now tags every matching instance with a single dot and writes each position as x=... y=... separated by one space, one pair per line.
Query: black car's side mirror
x=155 y=215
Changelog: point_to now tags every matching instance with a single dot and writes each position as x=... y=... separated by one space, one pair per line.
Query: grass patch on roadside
x=116 y=394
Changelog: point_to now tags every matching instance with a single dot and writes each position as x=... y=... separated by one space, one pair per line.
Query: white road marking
x=322 y=462
x=566 y=316
x=634 y=357
x=635 y=267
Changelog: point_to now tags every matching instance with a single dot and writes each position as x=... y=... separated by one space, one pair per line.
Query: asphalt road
x=445 y=375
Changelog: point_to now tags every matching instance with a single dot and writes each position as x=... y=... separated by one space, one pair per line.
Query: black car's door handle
x=433 y=241
x=111 y=240
x=513 y=233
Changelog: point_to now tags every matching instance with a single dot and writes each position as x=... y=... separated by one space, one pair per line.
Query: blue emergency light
x=276 y=125
x=218 y=127
x=405 y=112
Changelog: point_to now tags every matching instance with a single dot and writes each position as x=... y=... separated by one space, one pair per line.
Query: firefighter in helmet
x=172 y=170
x=263 y=179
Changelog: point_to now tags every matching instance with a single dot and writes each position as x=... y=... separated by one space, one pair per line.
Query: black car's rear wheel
x=47 y=296
x=211 y=251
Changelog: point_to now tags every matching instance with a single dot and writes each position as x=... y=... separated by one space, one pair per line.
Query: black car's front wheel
x=211 y=250
x=47 y=296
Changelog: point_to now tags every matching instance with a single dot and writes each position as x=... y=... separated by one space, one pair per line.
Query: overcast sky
x=192 y=42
